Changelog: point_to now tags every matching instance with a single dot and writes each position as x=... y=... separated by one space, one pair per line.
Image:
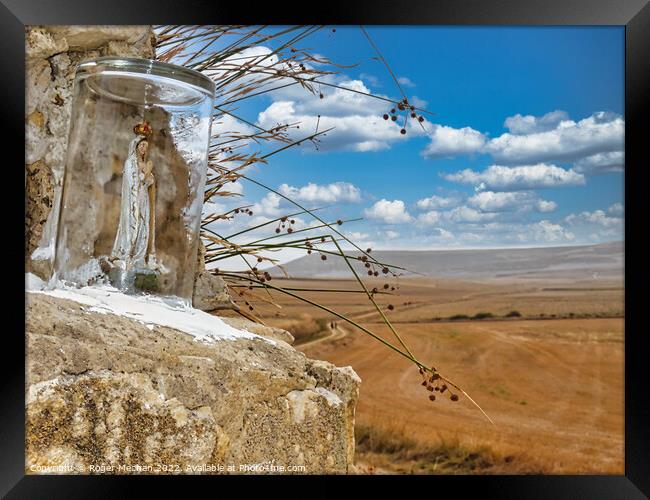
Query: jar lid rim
x=150 y=66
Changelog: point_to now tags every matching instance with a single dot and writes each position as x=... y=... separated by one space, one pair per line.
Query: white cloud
x=389 y=234
x=356 y=120
x=516 y=178
x=548 y=232
x=429 y=218
x=468 y=214
x=594 y=144
x=436 y=202
x=545 y=206
x=405 y=82
x=447 y=142
x=617 y=210
x=442 y=234
x=490 y=201
x=598 y=217
x=357 y=236
x=330 y=193
x=388 y=212
x=613 y=161
x=568 y=141
x=211 y=207
x=529 y=124
x=268 y=206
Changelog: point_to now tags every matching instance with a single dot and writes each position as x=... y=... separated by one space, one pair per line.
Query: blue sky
x=525 y=146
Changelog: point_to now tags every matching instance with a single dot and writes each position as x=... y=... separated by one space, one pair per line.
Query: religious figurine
x=134 y=246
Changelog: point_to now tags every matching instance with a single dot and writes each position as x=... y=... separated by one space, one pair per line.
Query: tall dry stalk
x=230 y=56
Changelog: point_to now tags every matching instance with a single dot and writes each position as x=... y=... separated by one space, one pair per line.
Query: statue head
x=141 y=148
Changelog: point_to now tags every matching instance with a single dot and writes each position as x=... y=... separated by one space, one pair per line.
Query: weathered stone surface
x=105 y=389
x=52 y=54
x=210 y=292
x=263 y=330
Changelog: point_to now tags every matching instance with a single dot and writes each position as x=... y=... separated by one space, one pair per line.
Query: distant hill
x=572 y=262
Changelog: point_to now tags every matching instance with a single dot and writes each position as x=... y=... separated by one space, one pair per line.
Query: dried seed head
x=339 y=222
x=454 y=397
x=393 y=118
x=432 y=397
x=385 y=270
x=385 y=117
x=424 y=383
x=430 y=388
x=386 y=288
x=391 y=307
x=323 y=257
x=277 y=230
x=403 y=131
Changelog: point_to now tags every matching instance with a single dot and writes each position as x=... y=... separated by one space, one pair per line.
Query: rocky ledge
x=109 y=394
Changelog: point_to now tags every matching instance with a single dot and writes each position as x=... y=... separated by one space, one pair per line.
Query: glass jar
x=135 y=174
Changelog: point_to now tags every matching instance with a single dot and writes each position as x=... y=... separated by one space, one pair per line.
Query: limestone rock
x=263 y=330
x=210 y=292
x=105 y=389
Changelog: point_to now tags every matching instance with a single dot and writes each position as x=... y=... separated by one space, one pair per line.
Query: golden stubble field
x=551 y=379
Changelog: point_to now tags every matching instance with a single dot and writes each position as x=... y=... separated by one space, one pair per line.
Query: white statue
x=134 y=245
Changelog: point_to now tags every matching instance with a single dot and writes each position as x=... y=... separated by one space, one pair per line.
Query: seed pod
x=391 y=307
x=454 y=397
x=430 y=388
x=432 y=397
x=424 y=383
x=385 y=117
x=323 y=257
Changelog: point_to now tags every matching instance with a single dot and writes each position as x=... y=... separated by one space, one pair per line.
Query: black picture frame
x=633 y=14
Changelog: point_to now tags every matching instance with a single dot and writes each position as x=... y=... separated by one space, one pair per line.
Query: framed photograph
x=394 y=246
